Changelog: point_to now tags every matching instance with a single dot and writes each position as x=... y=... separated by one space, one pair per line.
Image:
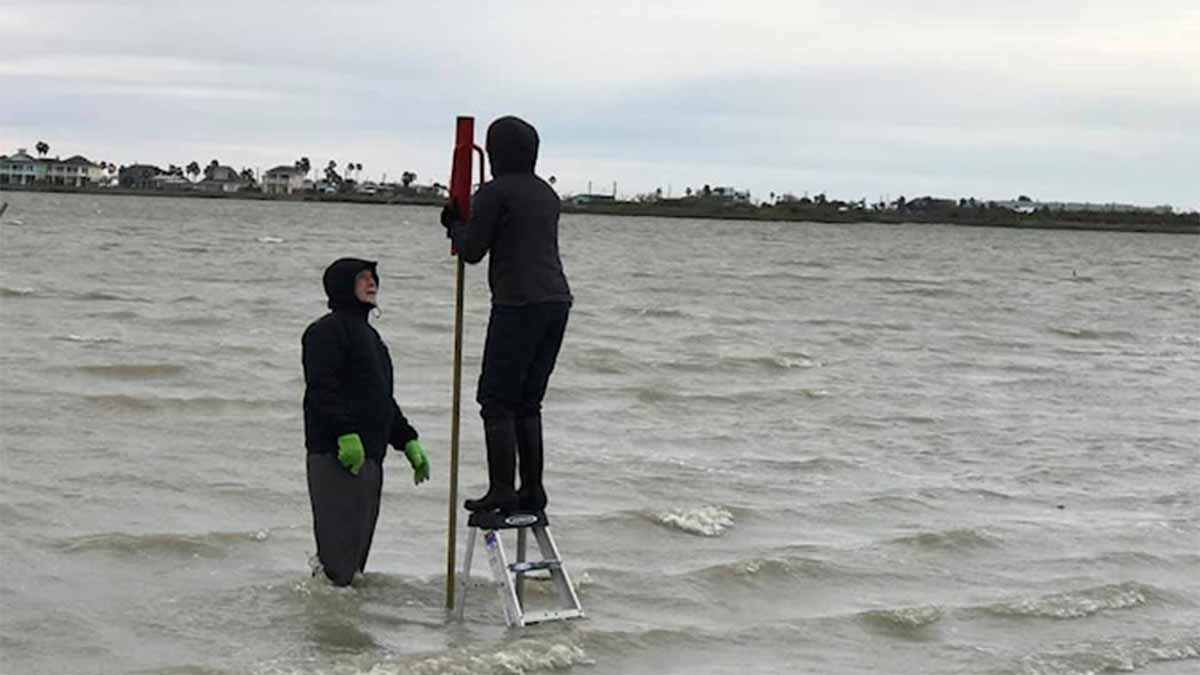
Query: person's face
x=364 y=287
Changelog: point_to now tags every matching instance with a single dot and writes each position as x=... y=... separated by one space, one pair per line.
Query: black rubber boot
x=501 y=438
x=531 y=498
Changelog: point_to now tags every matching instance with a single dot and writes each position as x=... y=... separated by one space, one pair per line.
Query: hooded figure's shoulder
x=517 y=189
x=327 y=331
x=320 y=322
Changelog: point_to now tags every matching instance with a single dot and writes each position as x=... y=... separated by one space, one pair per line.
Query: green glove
x=350 y=452
x=420 y=464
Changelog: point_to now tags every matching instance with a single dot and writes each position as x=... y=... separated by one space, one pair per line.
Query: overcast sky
x=1086 y=100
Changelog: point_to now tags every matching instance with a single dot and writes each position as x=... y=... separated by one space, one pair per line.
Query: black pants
x=345 y=509
x=518 y=356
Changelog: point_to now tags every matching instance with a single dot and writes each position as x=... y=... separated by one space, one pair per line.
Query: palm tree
x=304 y=165
x=42 y=148
x=193 y=169
x=407 y=178
x=358 y=168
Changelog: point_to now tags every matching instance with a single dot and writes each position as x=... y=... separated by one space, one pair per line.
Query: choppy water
x=772 y=448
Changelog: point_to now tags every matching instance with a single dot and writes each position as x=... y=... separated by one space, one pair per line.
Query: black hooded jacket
x=515 y=217
x=348 y=373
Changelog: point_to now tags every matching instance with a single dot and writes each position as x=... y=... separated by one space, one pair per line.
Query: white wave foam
x=906 y=617
x=83 y=338
x=270 y=240
x=1077 y=604
x=1121 y=655
x=517 y=658
x=706 y=521
x=797 y=362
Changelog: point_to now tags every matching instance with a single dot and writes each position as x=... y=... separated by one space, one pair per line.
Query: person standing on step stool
x=515 y=218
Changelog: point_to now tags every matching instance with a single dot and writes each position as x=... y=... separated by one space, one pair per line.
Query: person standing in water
x=514 y=217
x=350 y=418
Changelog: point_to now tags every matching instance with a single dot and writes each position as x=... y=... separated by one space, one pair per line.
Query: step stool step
x=494 y=520
x=550 y=615
x=532 y=565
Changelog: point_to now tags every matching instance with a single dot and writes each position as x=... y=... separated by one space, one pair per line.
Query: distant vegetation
x=923 y=210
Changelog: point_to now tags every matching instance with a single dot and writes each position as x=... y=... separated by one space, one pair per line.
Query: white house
x=283 y=179
x=22 y=169
x=729 y=194
x=74 y=172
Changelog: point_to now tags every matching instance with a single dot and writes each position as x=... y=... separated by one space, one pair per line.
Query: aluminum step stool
x=510 y=578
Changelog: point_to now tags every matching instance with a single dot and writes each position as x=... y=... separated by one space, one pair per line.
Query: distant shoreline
x=252 y=196
x=1187 y=223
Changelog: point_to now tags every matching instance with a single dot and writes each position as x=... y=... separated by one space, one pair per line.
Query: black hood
x=512 y=146
x=339 y=282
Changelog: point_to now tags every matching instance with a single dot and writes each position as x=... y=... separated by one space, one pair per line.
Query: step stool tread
x=494 y=520
x=531 y=565
x=550 y=615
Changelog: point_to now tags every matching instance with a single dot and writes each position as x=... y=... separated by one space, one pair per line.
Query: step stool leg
x=520 y=581
x=566 y=590
x=464 y=581
x=513 y=615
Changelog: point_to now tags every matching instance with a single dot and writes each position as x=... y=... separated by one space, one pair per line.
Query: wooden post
x=460 y=194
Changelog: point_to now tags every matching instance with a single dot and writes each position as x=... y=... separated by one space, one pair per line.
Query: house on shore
x=283 y=180
x=725 y=193
x=138 y=176
x=75 y=171
x=221 y=178
x=22 y=168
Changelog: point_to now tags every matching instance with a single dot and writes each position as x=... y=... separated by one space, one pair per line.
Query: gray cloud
x=1070 y=100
